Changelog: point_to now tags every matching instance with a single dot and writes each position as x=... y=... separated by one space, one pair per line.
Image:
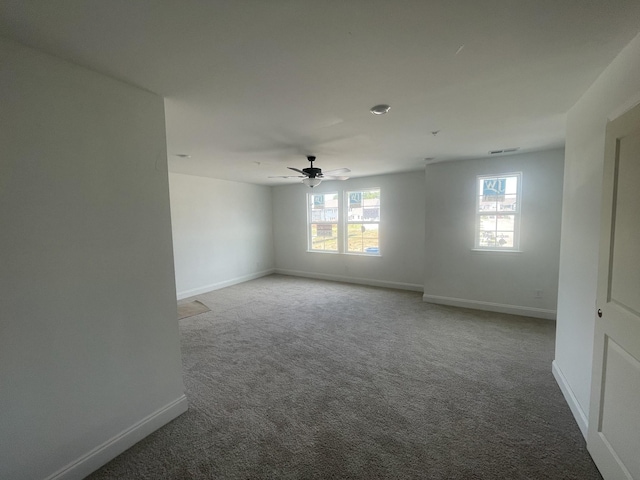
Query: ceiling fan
x=312 y=176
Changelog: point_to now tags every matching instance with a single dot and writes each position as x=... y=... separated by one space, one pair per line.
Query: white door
x=614 y=414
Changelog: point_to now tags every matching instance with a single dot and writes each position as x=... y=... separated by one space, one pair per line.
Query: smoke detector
x=380 y=109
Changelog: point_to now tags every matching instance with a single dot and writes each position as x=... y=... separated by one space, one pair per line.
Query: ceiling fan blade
x=337 y=171
x=285 y=176
x=331 y=177
x=299 y=171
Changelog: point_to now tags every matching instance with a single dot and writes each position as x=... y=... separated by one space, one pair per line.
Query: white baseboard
x=113 y=447
x=226 y=283
x=360 y=281
x=491 y=307
x=578 y=413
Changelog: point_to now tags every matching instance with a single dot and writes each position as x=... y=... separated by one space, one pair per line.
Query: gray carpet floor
x=290 y=378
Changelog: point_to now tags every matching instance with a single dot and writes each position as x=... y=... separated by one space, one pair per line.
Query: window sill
x=356 y=254
x=488 y=250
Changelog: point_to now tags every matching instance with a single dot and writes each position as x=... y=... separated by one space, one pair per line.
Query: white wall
x=503 y=282
x=222 y=232
x=401 y=234
x=89 y=348
x=616 y=90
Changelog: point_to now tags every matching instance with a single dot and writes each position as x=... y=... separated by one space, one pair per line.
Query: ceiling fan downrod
x=311 y=171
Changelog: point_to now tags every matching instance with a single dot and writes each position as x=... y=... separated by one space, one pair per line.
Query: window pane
x=511 y=187
x=496 y=231
x=487 y=239
x=362 y=238
x=504 y=239
x=492 y=188
x=324 y=215
x=508 y=204
x=363 y=206
x=324 y=237
x=354 y=214
x=487 y=205
x=324 y=207
x=371 y=213
x=506 y=223
x=488 y=223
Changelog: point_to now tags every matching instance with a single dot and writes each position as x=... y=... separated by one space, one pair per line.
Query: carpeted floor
x=291 y=378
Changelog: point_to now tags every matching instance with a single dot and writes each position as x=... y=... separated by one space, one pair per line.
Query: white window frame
x=347 y=222
x=310 y=221
x=517 y=213
x=341 y=222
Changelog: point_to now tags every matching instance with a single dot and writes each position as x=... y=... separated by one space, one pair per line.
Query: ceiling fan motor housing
x=312 y=172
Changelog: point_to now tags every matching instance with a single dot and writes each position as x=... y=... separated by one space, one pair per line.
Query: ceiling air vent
x=506 y=150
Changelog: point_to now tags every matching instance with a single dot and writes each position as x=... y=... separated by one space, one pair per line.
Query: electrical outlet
x=537 y=294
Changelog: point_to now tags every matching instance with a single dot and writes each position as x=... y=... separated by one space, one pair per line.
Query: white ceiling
x=252 y=86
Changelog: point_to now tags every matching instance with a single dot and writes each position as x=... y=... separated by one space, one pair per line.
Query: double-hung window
x=344 y=225
x=498 y=200
x=363 y=221
x=323 y=222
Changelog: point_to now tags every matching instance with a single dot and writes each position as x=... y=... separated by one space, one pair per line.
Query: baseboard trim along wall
x=491 y=307
x=113 y=447
x=576 y=409
x=356 y=280
x=226 y=283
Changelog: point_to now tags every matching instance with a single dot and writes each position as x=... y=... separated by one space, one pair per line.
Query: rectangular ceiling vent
x=506 y=150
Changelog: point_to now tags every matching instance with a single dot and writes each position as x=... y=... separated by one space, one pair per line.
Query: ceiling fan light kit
x=311 y=182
